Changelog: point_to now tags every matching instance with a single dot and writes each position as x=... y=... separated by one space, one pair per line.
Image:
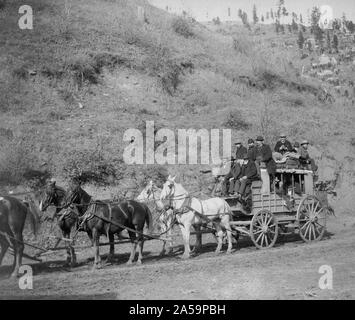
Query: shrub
x=242 y=45
x=83 y=69
x=2 y=4
x=170 y=78
x=16 y=162
x=156 y=173
x=105 y=59
x=89 y=166
x=235 y=121
x=20 y=72
x=182 y=27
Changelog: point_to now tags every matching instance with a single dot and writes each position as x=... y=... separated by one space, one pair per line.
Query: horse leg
x=170 y=242
x=140 y=248
x=18 y=252
x=132 y=235
x=225 y=222
x=66 y=235
x=4 y=246
x=111 y=238
x=96 y=241
x=198 y=244
x=162 y=252
x=163 y=231
x=219 y=233
x=185 y=229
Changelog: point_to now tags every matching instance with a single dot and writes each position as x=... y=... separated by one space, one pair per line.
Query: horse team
x=76 y=209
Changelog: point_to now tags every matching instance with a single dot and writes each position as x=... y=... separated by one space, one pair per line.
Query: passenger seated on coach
x=247 y=175
x=228 y=185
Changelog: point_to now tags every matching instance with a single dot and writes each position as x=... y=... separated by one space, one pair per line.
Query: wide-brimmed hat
x=250 y=141
x=237 y=142
x=304 y=142
x=296 y=144
x=283 y=135
x=259 y=138
x=246 y=156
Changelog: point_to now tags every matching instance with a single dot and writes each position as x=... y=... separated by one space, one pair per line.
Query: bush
x=235 y=121
x=89 y=166
x=182 y=27
x=83 y=69
x=20 y=72
x=242 y=45
x=2 y=4
x=16 y=163
x=170 y=78
x=166 y=69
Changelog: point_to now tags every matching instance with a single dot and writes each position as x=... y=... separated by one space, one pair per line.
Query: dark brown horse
x=56 y=196
x=13 y=213
x=96 y=217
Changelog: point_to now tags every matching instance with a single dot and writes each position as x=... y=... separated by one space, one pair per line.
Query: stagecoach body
x=295 y=207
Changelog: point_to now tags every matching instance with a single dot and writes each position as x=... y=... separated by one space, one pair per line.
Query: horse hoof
x=185 y=257
x=129 y=263
x=217 y=253
x=196 y=249
x=162 y=254
x=97 y=266
x=14 y=275
x=229 y=251
x=169 y=253
x=139 y=262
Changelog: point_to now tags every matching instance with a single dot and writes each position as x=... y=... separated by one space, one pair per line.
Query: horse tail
x=33 y=214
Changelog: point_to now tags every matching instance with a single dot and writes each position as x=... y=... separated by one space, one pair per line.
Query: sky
x=206 y=10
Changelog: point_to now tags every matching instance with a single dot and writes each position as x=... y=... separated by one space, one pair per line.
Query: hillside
x=91 y=69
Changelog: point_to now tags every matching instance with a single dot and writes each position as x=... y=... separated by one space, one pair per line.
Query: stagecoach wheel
x=311 y=218
x=264 y=229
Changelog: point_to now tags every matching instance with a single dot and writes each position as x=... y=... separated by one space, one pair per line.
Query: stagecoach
x=292 y=203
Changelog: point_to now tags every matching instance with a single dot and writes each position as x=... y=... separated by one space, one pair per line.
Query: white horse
x=166 y=217
x=195 y=212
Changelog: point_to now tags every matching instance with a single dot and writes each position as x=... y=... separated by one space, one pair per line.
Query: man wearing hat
x=264 y=154
x=251 y=150
x=304 y=155
x=296 y=147
x=240 y=151
x=247 y=175
x=283 y=145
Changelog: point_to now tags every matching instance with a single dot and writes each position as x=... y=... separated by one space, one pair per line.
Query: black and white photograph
x=177 y=150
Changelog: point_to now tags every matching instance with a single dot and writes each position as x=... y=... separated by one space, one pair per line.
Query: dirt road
x=290 y=270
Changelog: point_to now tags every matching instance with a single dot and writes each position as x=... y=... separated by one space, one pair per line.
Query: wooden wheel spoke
x=270 y=219
x=262 y=240
x=306 y=224
x=257 y=240
x=257 y=232
x=310 y=232
x=307 y=229
x=267 y=243
x=321 y=226
x=317 y=212
x=314 y=231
